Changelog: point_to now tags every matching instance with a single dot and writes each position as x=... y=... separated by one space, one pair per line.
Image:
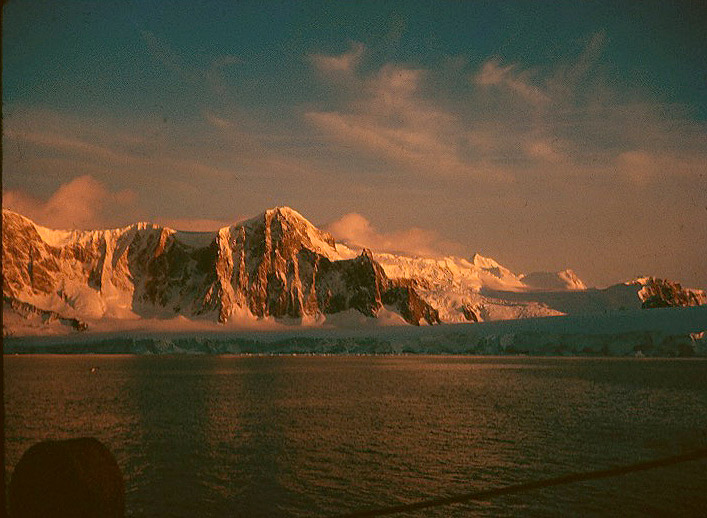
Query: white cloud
x=83 y=203
x=544 y=150
x=355 y=229
x=343 y=63
x=216 y=121
x=395 y=122
x=645 y=167
x=518 y=82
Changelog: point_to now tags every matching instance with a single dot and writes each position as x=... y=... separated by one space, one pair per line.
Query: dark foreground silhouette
x=75 y=477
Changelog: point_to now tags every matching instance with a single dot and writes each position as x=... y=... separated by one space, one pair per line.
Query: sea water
x=324 y=435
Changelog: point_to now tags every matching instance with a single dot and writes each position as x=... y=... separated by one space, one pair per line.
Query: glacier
x=664 y=332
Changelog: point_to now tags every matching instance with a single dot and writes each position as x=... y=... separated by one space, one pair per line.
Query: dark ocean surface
x=324 y=435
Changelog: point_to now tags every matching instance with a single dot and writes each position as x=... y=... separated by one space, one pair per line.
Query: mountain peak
x=294 y=224
x=279 y=213
x=10 y=215
x=549 y=281
x=483 y=262
x=278 y=264
x=286 y=212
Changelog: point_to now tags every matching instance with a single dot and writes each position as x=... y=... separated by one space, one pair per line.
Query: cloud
x=393 y=121
x=508 y=120
x=39 y=140
x=518 y=82
x=559 y=85
x=645 y=167
x=200 y=75
x=83 y=203
x=355 y=229
x=68 y=144
x=216 y=121
x=415 y=148
x=211 y=164
x=544 y=150
x=344 y=63
x=163 y=53
x=214 y=74
x=566 y=78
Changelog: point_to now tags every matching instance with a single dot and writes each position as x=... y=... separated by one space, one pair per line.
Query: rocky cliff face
x=141 y=270
x=13 y=309
x=276 y=264
x=280 y=265
x=661 y=293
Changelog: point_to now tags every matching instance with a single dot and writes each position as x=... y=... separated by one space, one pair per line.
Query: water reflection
x=170 y=402
x=317 y=436
x=62 y=397
x=209 y=429
x=246 y=434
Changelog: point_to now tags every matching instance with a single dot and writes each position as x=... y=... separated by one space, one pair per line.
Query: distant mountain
x=553 y=281
x=277 y=267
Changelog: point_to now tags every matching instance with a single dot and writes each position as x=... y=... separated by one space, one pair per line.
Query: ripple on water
x=316 y=436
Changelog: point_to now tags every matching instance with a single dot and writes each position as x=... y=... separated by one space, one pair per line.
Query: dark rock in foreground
x=77 y=478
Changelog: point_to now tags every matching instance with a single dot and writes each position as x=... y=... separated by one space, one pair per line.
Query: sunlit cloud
x=216 y=121
x=82 y=203
x=544 y=150
x=355 y=229
x=74 y=146
x=645 y=167
x=133 y=148
x=555 y=150
x=394 y=122
x=214 y=73
x=509 y=119
x=164 y=54
x=220 y=158
x=463 y=121
x=566 y=78
x=343 y=63
x=492 y=73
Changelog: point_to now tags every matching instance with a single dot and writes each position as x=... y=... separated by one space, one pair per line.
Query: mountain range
x=274 y=269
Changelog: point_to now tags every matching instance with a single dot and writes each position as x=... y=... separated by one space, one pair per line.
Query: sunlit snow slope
x=272 y=270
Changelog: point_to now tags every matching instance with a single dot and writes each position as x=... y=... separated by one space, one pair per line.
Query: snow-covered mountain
x=272 y=269
x=564 y=280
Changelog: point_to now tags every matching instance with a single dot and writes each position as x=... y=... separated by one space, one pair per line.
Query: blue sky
x=545 y=135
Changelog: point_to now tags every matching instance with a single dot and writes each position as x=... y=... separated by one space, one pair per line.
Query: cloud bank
x=506 y=121
x=355 y=229
x=83 y=203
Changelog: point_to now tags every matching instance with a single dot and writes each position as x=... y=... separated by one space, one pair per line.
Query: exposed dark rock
x=26 y=310
x=276 y=264
x=661 y=293
x=411 y=306
x=469 y=313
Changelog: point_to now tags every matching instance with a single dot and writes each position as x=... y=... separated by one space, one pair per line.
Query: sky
x=547 y=135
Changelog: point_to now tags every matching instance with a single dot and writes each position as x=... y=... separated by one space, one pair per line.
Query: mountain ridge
x=277 y=265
